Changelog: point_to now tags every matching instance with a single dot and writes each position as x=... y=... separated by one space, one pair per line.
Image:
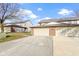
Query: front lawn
x=13 y=36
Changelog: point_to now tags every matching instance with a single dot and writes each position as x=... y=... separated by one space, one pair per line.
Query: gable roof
x=56 y=25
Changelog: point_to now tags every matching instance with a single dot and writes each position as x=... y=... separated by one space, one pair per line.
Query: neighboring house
x=51 y=27
x=45 y=21
x=69 y=20
x=26 y=24
x=14 y=28
x=23 y=26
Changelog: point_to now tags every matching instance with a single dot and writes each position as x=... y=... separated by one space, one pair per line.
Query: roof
x=14 y=26
x=48 y=20
x=56 y=25
x=59 y=20
x=68 y=19
x=52 y=23
x=18 y=22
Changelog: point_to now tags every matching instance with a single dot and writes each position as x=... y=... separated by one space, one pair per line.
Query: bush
x=8 y=35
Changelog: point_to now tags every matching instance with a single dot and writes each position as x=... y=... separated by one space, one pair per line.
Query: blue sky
x=39 y=11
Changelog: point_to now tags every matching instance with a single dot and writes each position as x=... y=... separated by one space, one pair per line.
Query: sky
x=39 y=11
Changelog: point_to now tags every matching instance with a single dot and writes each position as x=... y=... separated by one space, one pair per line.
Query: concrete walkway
x=65 y=46
x=28 y=46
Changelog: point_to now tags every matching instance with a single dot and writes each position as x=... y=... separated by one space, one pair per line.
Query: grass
x=13 y=36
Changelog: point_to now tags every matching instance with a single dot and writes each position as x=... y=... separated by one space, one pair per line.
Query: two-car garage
x=43 y=31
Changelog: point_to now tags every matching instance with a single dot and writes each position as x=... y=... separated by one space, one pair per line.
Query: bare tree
x=7 y=11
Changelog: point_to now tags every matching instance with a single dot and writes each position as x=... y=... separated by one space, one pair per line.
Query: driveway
x=65 y=46
x=28 y=46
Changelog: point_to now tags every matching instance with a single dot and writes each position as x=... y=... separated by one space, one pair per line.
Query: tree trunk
x=2 y=27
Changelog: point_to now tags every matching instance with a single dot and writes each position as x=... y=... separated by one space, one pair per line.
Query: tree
x=7 y=11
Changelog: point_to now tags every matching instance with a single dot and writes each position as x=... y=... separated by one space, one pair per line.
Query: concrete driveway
x=28 y=46
x=65 y=46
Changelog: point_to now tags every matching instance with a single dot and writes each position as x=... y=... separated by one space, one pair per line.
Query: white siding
x=7 y=29
x=41 y=31
x=77 y=22
x=71 y=22
x=19 y=29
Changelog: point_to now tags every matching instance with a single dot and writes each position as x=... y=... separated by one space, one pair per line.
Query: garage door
x=41 y=32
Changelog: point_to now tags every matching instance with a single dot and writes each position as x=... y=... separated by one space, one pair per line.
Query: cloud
x=39 y=9
x=65 y=12
x=27 y=13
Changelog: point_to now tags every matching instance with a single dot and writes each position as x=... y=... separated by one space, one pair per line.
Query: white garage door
x=41 y=32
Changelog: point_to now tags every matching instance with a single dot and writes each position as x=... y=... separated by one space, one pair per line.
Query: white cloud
x=39 y=9
x=65 y=12
x=27 y=13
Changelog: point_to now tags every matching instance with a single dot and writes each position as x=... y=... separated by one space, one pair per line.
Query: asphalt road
x=28 y=46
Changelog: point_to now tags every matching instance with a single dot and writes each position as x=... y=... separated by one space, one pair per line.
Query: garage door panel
x=41 y=32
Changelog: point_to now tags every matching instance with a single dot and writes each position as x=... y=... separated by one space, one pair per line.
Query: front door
x=13 y=29
x=52 y=32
